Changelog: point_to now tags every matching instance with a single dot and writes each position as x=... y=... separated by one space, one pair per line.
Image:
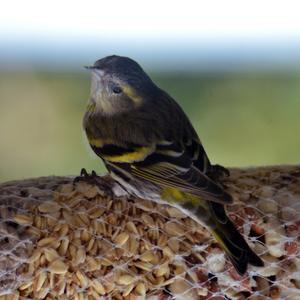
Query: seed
x=145 y=205
x=275 y=243
x=52 y=221
x=51 y=280
x=173 y=243
x=46 y=241
x=49 y=207
x=64 y=229
x=58 y=267
x=96 y=213
x=216 y=261
x=167 y=252
x=143 y=265
x=180 y=287
x=122 y=238
x=60 y=288
x=40 y=280
x=90 y=244
x=84 y=218
x=131 y=227
x=173 y=228
x=162 y=270
x=62 y=249
x=148 y=220
x=50 y=254
x=268 y=206
x=23 y=219
x=125 y=279
x=72 y=251
x=35 y=256
x=84 y=281
x=66 y=188
x=162 y=239
x=75 y=202
x=175 y=213
x=106 y=262
x=98 y=287
x=128 y=290
x=169 y=281
x=11 y=297
x=88 y=190
x=140 y=289
x=34 y=232
x=25 y=285
x=41 y=294
x=79 y=256
x=67 y=217
x=92 y=264
x=147 y=256
x=180 y=269
x=77 y=221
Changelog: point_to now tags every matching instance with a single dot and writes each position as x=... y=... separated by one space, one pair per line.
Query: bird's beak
x=99 y=73
x=89 y=67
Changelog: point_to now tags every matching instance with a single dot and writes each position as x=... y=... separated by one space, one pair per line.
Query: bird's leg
x=104 y=183
x=217 y=172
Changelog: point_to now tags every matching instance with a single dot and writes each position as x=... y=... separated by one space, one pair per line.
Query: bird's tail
x=233 y=243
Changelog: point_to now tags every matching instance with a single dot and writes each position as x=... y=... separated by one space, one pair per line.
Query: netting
x=65 y=241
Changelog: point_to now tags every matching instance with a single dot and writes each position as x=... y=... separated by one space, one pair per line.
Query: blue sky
x=161 y=34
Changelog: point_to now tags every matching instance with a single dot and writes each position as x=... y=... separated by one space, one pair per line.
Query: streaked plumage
x=151 y=149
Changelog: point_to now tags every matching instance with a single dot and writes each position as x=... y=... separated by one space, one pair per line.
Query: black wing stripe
x=181 y=161
x=113 y=150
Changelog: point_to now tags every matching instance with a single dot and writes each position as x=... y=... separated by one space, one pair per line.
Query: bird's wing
x=168 y=164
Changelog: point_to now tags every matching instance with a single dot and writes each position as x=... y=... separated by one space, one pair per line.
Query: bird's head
x=118 y=84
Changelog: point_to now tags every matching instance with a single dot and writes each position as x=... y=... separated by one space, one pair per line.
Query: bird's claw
x=86 y=177
x=218 y=172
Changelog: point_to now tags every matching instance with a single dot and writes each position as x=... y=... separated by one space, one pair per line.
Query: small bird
x=151 y=149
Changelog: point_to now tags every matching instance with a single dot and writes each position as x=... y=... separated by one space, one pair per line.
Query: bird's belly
x=191 y=205
x=136 y=187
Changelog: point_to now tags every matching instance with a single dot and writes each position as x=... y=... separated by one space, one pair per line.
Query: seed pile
x=80 y=242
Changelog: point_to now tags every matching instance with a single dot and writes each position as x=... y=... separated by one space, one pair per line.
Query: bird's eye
x=117 y=90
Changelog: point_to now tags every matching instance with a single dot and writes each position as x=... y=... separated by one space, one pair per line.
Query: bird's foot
x=86 y=177
x=218 y=172
x=104 y=183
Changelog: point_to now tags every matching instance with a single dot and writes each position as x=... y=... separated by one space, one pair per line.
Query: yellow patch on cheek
x=91 y=107
x=132 y=94
x=96 y=142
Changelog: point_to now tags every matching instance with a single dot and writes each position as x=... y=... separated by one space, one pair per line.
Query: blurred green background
x=243 y=118
x=234 y=67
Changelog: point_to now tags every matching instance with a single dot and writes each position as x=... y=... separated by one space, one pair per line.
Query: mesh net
x=65 y=241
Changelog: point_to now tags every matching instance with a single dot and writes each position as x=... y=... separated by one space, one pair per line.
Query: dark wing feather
x=170 y=166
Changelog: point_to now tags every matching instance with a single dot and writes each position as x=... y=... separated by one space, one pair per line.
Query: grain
x=49 y=207
x=81 y=244
x=23 y=219
x=58 y=267
x=125 y=279
x=122 y=238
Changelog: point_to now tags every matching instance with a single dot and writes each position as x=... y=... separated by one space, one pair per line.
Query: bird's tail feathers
x=238 y=251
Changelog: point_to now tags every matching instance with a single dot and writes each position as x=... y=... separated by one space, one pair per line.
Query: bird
x=151 y=150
